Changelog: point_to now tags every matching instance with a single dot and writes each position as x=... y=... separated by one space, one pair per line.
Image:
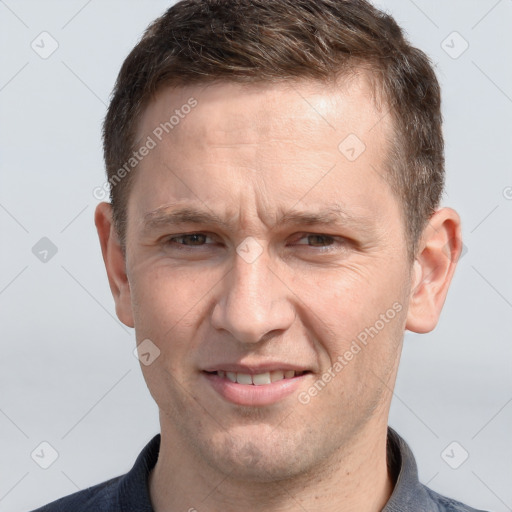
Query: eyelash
x=322 y=248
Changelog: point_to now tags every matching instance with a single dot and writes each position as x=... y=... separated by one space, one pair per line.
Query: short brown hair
x=202 y=41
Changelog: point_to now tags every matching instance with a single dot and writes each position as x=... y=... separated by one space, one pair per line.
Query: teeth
x=243 y=378
x=259 y=379
x=277 y=375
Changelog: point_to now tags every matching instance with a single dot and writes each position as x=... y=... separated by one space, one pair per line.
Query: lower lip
x=249 y=394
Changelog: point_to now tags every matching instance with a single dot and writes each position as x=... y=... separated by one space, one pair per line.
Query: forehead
x=279 y=142
x=233 y=112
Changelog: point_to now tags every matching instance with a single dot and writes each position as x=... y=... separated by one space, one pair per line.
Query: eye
x=318 y=240
x=189 y=240
x=318 y=243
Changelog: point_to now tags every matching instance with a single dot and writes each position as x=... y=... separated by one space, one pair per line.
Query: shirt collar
x=408 y=493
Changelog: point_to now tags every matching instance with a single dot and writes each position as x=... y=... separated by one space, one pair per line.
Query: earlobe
x=434 y=266
x=115 y=263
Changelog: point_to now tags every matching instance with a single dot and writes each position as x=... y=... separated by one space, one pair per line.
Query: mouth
x=258 y=379
x=256 y=389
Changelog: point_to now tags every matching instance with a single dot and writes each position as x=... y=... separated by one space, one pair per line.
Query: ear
x=438 y=252
x=115 y=263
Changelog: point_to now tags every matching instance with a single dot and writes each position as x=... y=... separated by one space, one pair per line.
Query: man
x=276 y=168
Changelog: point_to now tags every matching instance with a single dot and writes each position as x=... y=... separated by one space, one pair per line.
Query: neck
x=354 y=478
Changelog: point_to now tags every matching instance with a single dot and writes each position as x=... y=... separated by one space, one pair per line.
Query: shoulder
x=125 y=493
x=100 y=498
x=449 y=505
x=409 y=493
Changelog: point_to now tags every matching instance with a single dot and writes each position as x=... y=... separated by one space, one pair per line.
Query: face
x=257 y=245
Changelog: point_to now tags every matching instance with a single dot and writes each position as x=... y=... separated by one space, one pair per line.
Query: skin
x=248 y=154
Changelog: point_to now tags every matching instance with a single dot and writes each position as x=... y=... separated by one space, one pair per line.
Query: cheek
x=355 y=304
x=358 y=328
x=168 y=303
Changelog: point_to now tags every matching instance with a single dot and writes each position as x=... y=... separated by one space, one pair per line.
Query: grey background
x=67 y=372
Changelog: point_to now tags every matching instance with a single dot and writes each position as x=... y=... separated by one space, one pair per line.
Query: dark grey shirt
x=129 y=492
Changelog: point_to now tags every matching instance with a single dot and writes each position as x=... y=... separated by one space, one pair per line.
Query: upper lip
x=255 y=369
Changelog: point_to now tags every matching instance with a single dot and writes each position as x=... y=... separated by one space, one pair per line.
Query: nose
x=254 y=302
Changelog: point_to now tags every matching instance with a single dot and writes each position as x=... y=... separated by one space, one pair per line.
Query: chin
x=259 y=456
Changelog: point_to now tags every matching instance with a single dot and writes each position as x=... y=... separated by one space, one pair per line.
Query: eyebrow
x=329 y=215
x=185 y=215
